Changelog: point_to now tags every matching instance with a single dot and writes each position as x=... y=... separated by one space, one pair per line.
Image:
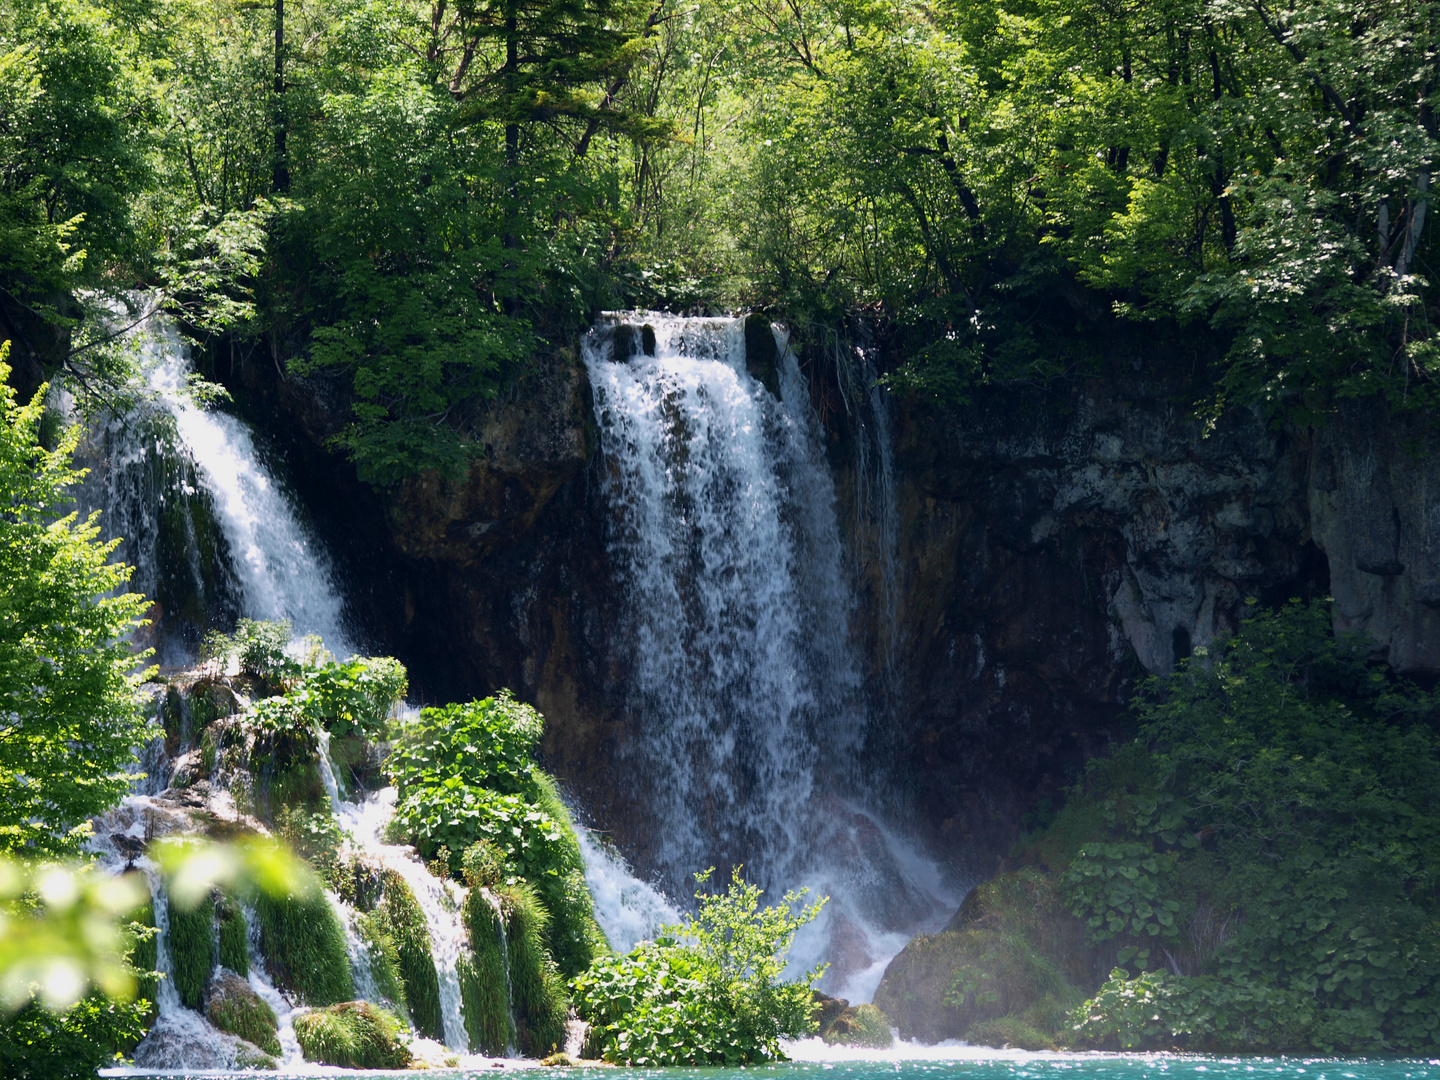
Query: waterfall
x=271 y=561
x=743 y=687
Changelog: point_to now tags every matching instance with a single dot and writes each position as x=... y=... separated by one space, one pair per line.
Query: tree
x=70 y=715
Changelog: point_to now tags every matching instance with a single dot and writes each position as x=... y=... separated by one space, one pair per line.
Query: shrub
x=37 y=1044
x=353 y=1035
x=304 y=945
x=192 y=950
x=1272 y=839
x=343 y=697
x=712 y=994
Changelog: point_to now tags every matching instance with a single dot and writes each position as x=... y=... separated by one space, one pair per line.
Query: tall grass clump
x=353 y=1035
x=192 y=950
x=484 y=976
x=536 y=985
x=405 y=925
x=234 y=934
x=305 y=946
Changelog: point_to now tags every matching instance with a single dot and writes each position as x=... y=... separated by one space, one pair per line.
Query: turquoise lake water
x=973 y=1065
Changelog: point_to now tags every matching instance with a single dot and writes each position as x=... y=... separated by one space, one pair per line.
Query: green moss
x=384 y=962
x=860 y=1025
x=353 y=1035
x=574 y=937
x=1014 y=953
x=404 y=923
x=484 y=978
x=234 y=936
x=537 y=988
x=235 y=1008
x=304 y=945
x=192 y=950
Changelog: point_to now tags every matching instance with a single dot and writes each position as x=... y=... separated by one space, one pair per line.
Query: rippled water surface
x=961 y=1062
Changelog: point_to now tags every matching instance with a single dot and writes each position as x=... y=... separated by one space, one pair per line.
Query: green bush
x=192 y=950
x=464 y=775
x=305 y=948
x=259 y=645
x=1160 y=1011
x=353 y=1035
x=37 y=1044
x=1272 y=834
x=485 y=975
x=384 y=959
x=343 y=697
x=717 y=999
x=405 y=924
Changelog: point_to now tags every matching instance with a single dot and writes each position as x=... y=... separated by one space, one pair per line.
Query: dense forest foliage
x=419 y=196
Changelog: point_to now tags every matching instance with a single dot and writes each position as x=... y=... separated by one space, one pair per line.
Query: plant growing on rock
x=710 y=992
x=353 y=1035
x=466 y=773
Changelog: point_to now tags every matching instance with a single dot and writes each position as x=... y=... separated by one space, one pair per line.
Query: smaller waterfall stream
x=270 y=558
x=439 y=900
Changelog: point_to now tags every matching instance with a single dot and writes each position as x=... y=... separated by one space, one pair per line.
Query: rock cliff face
x=1049 y=549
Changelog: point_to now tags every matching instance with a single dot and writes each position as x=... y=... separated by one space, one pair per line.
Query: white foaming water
x=744 y=683
x=439 y=900
x=628 y=910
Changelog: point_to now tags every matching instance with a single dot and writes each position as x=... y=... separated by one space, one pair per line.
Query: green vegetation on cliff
x=465 y=773
x=1258 y=867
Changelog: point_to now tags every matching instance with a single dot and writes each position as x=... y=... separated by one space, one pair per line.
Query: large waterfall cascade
x=744 y=684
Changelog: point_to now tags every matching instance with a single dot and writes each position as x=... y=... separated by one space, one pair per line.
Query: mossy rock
x=1013 y=950
x=353 y=1035
x=827 y=1010
x=252 y=1057
x=859 y=1025
x=235 y=1008
x=1010 y=1032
